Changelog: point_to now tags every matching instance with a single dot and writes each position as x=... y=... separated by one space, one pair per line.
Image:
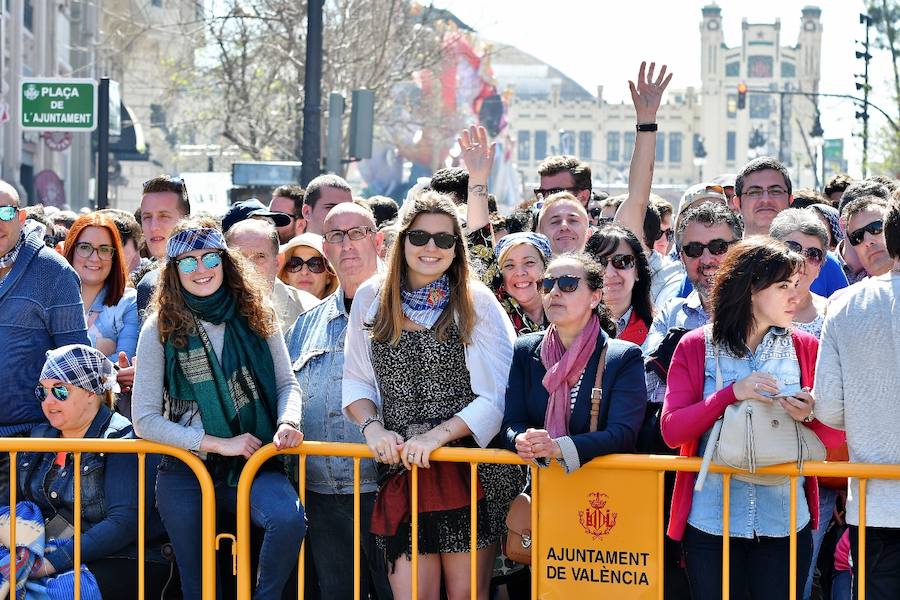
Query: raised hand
x=646 y=94
x=477 y=153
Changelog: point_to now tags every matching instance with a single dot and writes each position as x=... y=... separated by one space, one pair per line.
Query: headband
x=538 y=240
x=81 y=366
x=195 y=239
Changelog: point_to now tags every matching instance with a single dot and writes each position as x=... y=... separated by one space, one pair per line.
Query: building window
x=524 y=151
x=28 y=9
x=788 y=69
x=540 y=145
x=675 y=139
x=730 y=146
x=733 y=69
x=567 y=142
x=660 y=146
x=612 y=146
x=585 y=144
x=156 y=3
x=629 y=145
x=760 y=106
x=759 y=66
x=731 y=106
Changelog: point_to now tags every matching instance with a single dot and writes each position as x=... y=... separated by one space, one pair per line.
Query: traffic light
x=742 y=96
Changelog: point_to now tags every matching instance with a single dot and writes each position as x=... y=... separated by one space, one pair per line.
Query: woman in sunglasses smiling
x=426 y=361
x=304 y=266
x=626 y=281
x=215 y=378
x=548 y=398
x=94 y=249
x=805 y=234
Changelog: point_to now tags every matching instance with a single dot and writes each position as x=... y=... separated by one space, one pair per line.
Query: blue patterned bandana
x=81 y=366
x=538 y=240
x=425 y=305
x=195 y=239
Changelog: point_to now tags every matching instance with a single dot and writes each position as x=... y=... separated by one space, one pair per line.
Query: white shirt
x=488 y=358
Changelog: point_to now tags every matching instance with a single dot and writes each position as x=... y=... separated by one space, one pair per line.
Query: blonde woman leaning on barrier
x=750 y=342
x=426 y=360
x=215 y=378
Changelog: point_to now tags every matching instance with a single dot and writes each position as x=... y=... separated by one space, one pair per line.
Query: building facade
x=551 y=114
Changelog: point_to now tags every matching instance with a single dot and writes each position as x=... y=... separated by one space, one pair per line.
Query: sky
x=599 y=42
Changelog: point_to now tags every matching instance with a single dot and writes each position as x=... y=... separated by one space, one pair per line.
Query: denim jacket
x=108 y=493
x=316 y=346
x=119 y=323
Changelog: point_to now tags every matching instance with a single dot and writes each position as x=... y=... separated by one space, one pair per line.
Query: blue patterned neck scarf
x=425 y=305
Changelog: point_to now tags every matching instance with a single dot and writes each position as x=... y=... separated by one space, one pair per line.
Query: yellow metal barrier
x=618 y=462
x=141 y=448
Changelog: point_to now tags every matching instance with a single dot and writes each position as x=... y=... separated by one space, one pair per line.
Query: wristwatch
x=646 y=126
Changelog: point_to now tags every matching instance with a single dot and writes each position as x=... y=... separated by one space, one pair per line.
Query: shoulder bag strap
x=597 y=391
x=713 y=436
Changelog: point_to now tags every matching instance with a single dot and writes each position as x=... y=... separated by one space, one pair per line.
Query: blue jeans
x=882 y=562
x=274 y=506
x=827 y=498
x=841 y=585
x=759 y=567
x=331 y=543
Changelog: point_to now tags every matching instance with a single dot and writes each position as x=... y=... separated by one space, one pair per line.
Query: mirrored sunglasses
x=8 y=213
x=189 y=264
x=59 y=391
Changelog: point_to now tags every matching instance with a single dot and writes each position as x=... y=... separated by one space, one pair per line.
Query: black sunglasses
x=716 y=247
x=622 y=262
x=442 y=240
x=811 y=254
x=59 y=391
x=856 y=236
x=566 y=283
x=669 y=233
x=315 y=264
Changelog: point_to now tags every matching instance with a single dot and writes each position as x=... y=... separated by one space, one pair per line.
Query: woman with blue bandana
x=427 y=354
x=76 y=391
x=215 y=378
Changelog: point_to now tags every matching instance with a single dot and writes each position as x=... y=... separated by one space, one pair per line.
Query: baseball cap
x=726 y=180
x=252 y=208
x=702 y=192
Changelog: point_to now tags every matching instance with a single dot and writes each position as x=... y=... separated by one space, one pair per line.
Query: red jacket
x=687 y=415
x=635 y=331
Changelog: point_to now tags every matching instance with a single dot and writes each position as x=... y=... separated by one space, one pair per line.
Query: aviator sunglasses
x=716 y=247
x=59 y=391
x=566 y=283
x=8 y=213
x=189 y=264
x=442 y=240
x=812 y=254
x=315 y=264
x=856 y=236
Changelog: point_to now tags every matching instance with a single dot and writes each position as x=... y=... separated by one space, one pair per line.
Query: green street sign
x=50 y=104
x=834 y=150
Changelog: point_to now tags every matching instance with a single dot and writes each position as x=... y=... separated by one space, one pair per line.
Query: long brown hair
x=388 y=323
x=175 y=320
x=749 y=266
x=115 y=281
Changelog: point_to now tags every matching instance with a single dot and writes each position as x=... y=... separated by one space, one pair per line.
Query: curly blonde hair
x=175 y=320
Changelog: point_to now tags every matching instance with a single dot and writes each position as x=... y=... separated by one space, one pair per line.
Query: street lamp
x=817 y=140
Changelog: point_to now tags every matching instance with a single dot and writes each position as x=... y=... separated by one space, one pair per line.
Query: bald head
x=348 y=208
x=257 y=240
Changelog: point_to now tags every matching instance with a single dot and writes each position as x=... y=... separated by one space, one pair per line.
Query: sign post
x=53 y=104
x=103 y=146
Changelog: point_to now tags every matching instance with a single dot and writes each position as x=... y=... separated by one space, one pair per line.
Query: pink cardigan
x=687 y=415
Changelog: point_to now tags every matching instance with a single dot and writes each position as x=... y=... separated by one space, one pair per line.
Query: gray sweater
x=147 y=398
x=857 y=387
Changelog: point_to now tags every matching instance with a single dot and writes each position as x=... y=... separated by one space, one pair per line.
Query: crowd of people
x=578 y=325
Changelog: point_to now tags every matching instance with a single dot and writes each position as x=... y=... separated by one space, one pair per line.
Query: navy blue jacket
x=622 y=406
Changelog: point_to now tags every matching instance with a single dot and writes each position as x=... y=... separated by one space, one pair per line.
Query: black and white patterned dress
x=424 y=382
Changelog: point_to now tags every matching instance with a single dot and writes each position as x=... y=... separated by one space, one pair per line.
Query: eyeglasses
x=541 y=193
x=716 y=247
x=86 y=250
x=442 y=240
x=59 y=391
x=775 y=193
x=336 y=236
x=812 y=254
x=669 y=233
x=566 y=283
x=315 y=264
x=8 y=213
x=856 y=236
x=189 y=264
x=622 y=262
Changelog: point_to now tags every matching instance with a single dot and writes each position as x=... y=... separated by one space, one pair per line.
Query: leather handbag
x=760 y=434
x=517 y=545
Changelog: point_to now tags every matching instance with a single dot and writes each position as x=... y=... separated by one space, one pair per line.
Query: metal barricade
x=140 y=448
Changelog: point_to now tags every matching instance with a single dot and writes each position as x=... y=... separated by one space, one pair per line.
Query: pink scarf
x=564 y=369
